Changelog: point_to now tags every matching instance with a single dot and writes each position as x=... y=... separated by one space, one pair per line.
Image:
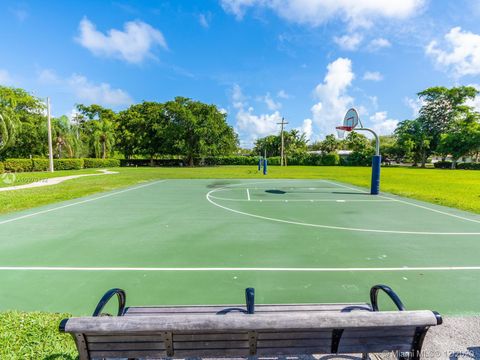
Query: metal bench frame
x=247 y=313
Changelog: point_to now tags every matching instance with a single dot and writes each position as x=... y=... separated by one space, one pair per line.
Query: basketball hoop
x=341 y=131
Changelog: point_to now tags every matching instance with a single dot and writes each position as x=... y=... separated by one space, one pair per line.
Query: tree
x=412 y=141
x=442 y=107
x=463 y=139
x=97 y=126
x=329 y=145
x=21 y=119
x=200 y=129
x=269 y=145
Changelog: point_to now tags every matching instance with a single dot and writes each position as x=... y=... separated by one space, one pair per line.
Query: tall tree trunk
x=454 y=163
x=424 y=159
x=104 y=150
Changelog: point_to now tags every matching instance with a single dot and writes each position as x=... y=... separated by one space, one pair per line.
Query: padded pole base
x=376 y=162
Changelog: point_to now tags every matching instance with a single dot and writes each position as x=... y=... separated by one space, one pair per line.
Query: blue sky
x=258 y=60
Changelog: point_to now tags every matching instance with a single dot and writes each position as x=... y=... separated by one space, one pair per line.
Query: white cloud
x=97 y=93
x=414 y=105
x=204 y=20
x=378 y=43
x=381 y=124
x=5 y=78
x=475 y=103
x=332 y=95
x=249 y=125
x=272 y=105
x=462 y=54
x=85 y=90
x=307 y=129
x=48 y=76
x=349 y=42
x=317 y=12
x=282 y=94
x=133 y=44
x=372 y=76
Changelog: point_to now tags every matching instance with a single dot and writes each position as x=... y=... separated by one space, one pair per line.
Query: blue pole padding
x=376 y=162
x=259 y=164
x=265 y=165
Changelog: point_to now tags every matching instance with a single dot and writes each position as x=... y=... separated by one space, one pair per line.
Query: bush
x=68 y=164
x=148 y=162
x=100 y=163
x=18 y=165
x=330 y=159
x=227 y=160
x=443 y=165
x=40 y=164
x=469 y=166
x=2 y=168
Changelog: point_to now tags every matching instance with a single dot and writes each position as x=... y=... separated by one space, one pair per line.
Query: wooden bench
x=257 y=330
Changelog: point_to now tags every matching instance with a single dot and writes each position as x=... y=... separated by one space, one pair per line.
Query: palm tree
x=102 y=137
x=66 y=137
x=8 y=128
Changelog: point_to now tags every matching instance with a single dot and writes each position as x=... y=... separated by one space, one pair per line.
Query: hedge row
x=312 y=159
x=24 y=165
x=461 y=166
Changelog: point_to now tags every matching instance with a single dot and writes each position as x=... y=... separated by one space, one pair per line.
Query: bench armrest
x=388 y=290
x=108 y=295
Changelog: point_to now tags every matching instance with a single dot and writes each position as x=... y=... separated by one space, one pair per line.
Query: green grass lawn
x=454 y=188
x=35 y=335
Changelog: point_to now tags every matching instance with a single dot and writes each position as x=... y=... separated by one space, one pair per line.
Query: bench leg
x=365 y=356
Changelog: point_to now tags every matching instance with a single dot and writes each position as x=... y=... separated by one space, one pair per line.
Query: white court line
x=70 y=268
x=79 y=202
x=304 y=200
x=208 y=197
x=248 y=195
x=413 y=204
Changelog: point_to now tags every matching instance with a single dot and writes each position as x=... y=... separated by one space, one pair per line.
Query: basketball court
x=204 y=241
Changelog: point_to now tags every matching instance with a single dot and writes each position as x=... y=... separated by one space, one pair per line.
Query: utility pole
x=281 y=134
x=49 y=126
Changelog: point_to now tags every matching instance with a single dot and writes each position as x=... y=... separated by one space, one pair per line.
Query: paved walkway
x=54 y=181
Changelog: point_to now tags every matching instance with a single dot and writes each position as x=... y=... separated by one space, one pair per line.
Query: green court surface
x=204 y=241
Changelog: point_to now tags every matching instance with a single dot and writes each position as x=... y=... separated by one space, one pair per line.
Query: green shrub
x=100 y=163
x=40 y=164
x=469 y=166
x=68 y=164
x=18 y=165
x=330 y=159
x=443 y=165
x=2 y=168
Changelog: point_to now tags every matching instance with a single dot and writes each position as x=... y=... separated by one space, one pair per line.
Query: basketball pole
x=49 y=131
x=376 y=163
x=350 y=122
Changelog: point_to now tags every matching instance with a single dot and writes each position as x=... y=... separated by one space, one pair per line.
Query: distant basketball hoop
x=350 y=122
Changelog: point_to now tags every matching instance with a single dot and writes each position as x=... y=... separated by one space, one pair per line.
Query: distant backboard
x=351 y=119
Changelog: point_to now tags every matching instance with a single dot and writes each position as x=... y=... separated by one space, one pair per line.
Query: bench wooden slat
x=293 y=343
x=152 y=310
x=123 y=338
x=293 y=351
x=117 y=346
x=294 y=321
x=212 y=353
x=208 y=337
x=199 y=345
x=390 y=331
x=295 y=335
x=156 y=354
x=373 y=348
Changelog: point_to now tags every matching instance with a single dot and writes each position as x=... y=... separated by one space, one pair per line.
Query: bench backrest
x=236 y=334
